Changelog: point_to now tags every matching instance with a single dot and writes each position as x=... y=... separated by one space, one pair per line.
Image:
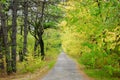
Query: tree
x=15 y=16
x=46 y=16
x=1 y=47
x=37 y=24
x=14 y=32
x=92 y=28
x=4 y=31
x=25 y=6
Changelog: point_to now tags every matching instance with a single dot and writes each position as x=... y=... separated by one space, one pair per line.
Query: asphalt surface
x=65 y=69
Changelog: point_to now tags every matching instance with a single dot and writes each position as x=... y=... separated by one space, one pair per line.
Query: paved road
x=65 y=69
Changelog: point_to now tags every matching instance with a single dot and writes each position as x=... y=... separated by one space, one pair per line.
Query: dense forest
x=33 y=32
x=91 y=34
x=28 y=30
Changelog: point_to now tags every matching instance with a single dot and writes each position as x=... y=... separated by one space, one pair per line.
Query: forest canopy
x=91 y=33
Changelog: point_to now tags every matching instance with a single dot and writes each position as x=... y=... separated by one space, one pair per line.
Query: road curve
x=65 y=69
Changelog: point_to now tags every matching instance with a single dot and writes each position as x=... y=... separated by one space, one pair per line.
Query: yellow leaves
x=110 y=39
x=69 y=16
x=63 y=23
x=71 y=41
x=117 y=30
x=70 y=6
x=71 y=3
x=111 y=36
x=79 y=24
x=95 y=4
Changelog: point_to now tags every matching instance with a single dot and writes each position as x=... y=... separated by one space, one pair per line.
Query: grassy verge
x=95 y=74
x=33 y=69
x=99 y=74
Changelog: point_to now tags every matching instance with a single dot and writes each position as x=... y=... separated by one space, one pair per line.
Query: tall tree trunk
x=25 y=27
x=13 y=36
x=5 y=40
x=41 y=30
x=1 y=51
x=1 y=45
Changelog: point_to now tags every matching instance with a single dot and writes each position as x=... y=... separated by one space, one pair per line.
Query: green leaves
x=49 y=25
x=3 y=1
x=90 y=33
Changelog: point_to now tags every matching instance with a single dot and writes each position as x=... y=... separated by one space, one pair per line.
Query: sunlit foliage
x=91 y=33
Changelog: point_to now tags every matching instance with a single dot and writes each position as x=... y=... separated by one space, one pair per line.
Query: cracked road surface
x=65 y=69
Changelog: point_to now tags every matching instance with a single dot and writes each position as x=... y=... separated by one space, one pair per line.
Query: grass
x=99 y=74
x=34 y=69
x=95 y=74
x=51 y=64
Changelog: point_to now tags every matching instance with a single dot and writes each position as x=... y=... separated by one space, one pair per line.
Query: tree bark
x=1 y=51
x=20 y=48
x=35 y=47
x=25 y=27
x=41 y=30
x=13 y=36
x=6 y=45
x=41 y=46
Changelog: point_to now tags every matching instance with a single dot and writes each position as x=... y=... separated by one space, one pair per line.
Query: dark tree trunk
x=25 y=27
x=41 y=30
x=1 y=63
x=13 y=36
x=21 y=56
x=41 y=46
x=1 y=51
x=35 y=47
x=1 y=45
x=20 y=48
x=21 y=30
x=5 y=40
